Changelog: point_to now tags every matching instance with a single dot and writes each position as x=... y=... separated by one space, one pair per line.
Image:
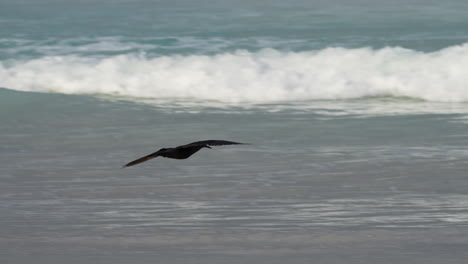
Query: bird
x=182 y=152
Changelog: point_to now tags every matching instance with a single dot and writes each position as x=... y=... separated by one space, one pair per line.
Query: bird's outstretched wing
x=142 y=159
x=211 y=143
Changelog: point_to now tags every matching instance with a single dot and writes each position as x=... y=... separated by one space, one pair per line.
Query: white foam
x=253 y=77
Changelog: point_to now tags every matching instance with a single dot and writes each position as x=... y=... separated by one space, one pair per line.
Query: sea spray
x=254 y=77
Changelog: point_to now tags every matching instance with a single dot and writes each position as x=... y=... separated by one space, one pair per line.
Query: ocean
x=356 y=115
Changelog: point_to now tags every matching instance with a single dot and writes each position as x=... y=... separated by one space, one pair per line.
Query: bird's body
x=182 y=152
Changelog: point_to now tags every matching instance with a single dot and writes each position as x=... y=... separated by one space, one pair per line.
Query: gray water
x=312 y=186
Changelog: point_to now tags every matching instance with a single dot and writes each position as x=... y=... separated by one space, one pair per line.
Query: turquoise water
x=229 y=25
x=239 y=53
x=356 y=112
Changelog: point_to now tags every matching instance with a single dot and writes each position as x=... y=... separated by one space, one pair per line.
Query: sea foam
x=255 y=77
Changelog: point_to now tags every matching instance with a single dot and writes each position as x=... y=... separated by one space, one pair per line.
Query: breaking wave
x=255 y=77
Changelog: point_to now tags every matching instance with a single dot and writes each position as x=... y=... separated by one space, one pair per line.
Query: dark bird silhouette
x=181 y=152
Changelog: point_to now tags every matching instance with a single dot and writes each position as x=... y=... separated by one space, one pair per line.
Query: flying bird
x=182 y=152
